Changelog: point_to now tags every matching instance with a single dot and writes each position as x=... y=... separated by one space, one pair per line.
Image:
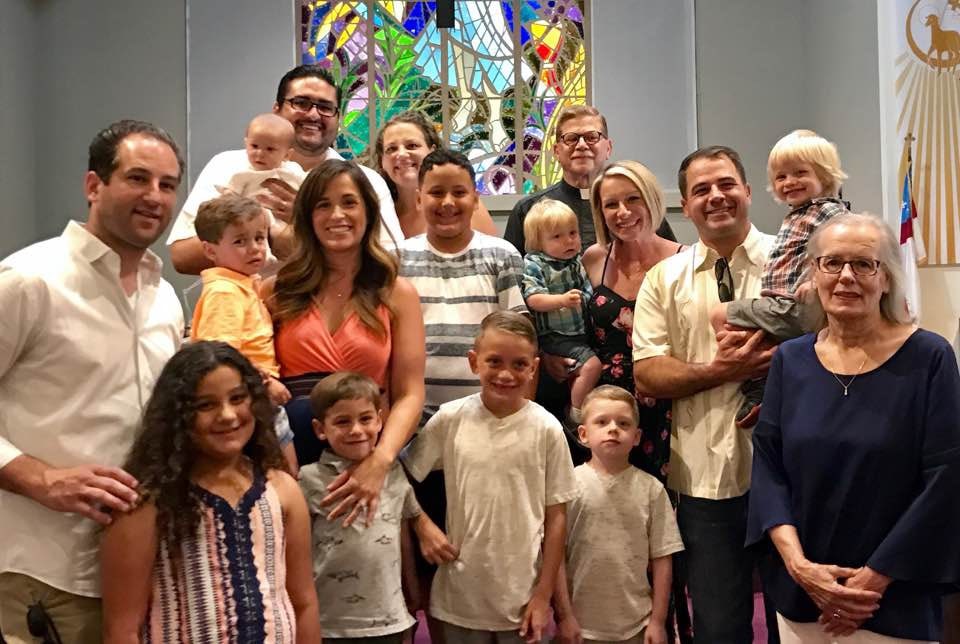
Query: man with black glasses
x=309 y=98
x=582 y=147
x=677 y=355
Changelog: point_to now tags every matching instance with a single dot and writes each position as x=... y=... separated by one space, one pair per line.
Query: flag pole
x=908 y=234
x=919 y=246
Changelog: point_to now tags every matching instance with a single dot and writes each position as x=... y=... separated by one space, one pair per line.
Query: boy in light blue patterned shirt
x=555 y=287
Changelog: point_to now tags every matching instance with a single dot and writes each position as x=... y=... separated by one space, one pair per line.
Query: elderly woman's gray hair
x=893 y=303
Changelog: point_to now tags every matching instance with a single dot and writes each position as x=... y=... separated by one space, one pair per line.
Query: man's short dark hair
x=709 y=152
x=102 y=154
x=306 y=71
x=445 y=156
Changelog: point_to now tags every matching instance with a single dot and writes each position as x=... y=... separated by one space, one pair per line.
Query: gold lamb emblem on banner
x=927 y=88
x=943 y=50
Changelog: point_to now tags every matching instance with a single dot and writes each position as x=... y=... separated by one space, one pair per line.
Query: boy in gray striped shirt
x=461 y=275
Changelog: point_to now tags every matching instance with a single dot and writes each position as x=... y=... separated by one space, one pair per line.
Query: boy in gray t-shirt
x=360 y=571
x=621 y=521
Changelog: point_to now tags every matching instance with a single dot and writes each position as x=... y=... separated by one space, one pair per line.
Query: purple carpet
x=759 y=628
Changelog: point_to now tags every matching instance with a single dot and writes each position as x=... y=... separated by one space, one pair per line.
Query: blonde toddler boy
x=555 y=287
x=804 y=173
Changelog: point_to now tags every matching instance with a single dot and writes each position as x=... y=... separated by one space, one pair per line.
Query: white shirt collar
x=91 y=248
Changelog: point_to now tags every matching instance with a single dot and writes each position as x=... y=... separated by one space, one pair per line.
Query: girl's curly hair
x=163 y=456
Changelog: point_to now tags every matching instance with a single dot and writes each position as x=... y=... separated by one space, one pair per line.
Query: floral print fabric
x=610 y=319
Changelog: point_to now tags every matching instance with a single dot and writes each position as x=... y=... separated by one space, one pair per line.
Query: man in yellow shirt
x=676 y=355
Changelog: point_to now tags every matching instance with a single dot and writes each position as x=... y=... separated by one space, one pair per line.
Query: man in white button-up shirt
x=309 y=98
x=676 y=355
x=87 y=325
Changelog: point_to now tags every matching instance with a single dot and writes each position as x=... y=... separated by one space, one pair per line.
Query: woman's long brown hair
x=306 y=271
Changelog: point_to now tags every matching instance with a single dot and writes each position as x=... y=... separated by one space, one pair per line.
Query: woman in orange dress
x=339 y=305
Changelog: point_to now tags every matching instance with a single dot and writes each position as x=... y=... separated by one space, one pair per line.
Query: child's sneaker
x=749 y=411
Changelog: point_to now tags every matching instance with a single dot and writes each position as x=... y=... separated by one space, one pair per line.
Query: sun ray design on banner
x=928 y=94
x=493 y=83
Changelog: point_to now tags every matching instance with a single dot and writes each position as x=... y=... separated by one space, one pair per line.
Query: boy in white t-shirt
x=621 y=521
x=462 y=276
x=508 y=477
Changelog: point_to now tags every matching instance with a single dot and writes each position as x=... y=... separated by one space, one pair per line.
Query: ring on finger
x=836 y=614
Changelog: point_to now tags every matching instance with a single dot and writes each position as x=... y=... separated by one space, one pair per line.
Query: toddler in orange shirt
x=233 y=231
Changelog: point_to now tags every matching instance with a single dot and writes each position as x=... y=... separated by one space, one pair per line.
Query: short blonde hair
x=576 y=111
x=644 y=180
x=545 y=215
x=808 y=147
x=610 y=392
x=275 y=125
x=510 y=322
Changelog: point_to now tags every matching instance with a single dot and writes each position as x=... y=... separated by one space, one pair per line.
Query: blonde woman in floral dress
x=627 y=205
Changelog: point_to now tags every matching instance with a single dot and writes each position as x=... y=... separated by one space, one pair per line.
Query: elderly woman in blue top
x=856 y=467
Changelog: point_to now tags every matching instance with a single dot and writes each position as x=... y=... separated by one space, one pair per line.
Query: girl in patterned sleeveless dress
x=217 y=550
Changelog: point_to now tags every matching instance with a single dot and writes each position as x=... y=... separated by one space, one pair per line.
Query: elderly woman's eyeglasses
x=724 y=280
x=571 y=139
x=303 y=104
x=862 y=266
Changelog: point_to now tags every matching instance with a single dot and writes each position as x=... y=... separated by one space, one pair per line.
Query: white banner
x=926 y=91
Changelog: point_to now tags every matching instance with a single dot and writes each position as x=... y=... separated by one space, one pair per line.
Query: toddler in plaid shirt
x=555 y=287
x=804 y=173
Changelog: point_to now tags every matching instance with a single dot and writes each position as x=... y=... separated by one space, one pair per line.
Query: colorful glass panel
x=493 y=83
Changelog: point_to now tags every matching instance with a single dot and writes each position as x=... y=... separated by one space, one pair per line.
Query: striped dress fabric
x=229 y=584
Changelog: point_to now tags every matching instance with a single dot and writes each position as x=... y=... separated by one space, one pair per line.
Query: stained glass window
x=503 y=62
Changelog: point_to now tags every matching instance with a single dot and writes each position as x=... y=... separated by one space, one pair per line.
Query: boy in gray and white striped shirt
x=461 y=275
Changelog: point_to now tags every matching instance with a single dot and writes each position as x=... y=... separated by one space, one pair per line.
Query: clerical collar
x=583 y=193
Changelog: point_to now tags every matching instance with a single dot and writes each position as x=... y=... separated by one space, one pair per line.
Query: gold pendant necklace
x=846 y=386
x=340 y=288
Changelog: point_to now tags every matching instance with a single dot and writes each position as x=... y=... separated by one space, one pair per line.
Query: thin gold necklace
x=847 y=385
x=348 y=287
